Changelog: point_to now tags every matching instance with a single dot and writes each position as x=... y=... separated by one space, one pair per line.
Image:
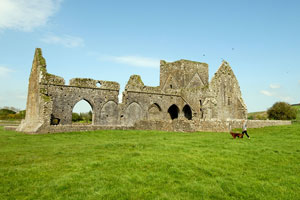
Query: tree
x=7 y=114
x=282 y=111
x=76 y=117
x=87 y=117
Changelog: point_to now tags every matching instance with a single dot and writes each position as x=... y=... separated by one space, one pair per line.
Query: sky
x=111 y=40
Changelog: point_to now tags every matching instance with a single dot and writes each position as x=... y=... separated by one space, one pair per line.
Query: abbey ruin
x=185 y=100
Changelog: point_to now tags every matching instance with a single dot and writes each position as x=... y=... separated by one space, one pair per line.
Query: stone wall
x=225 y=89
x=183 y=74
x=185 y=100
x=64 y=98
x=205 y=125
x=174 y=126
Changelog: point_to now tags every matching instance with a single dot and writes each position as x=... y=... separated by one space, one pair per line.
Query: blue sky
x=111 y=40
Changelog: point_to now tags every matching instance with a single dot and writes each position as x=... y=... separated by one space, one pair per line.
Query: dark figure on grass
x=245 y=128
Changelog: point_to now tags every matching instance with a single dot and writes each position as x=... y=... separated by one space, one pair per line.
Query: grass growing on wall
x=151 y=165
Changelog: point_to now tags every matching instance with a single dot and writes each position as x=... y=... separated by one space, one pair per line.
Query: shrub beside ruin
x=282 y=111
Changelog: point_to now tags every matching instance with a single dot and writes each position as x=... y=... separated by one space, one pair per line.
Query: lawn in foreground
x=151 y=165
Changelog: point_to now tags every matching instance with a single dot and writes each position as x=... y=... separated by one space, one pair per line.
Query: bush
x=82 y=117
x=76 y=117
x=282 y=111
x=251 y=117
x=6 y=112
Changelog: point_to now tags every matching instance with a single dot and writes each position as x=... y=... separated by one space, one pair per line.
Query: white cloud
x=65 y=40
x=26 y=15
x=275 y=86
x=287 y=99
x=4 y=71
x=279 y=96
x=137 y=61
x=267 y=93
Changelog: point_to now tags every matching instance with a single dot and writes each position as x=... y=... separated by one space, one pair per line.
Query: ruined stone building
x=185 y=100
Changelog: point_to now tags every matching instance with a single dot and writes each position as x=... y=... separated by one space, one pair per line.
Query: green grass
x=151 y=165
x=298 y=113
x=258 y=115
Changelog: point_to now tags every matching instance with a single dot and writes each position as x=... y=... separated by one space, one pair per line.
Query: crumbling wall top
x=51 y=79
x=135 y=83
x=91 y=83
x=45 y=77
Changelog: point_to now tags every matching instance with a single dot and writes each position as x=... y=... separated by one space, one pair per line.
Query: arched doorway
x=154 y=112
x=187 y=112
x=82 y=113
x=173 y=111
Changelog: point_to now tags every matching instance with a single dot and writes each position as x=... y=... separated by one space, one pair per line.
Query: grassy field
x=258 y=115
x=151 y=165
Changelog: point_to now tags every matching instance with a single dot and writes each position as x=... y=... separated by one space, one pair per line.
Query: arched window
x=187 y=112
x=173 y=111
x=82 y=113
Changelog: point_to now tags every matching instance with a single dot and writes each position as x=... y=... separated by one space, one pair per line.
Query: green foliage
x=76 y=117
x=298 y=111
x=282 y=111
x=82 y=117
x=22 y=114
x=40 y=57
x=251 y=117
x=258 y=116
x=297 y=120
x=7 y=114
x=151 y=165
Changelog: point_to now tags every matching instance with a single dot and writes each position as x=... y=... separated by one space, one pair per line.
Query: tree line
x=82 y=117
x=8 y=114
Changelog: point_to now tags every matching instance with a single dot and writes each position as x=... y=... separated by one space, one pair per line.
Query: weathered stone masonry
x=185 y=100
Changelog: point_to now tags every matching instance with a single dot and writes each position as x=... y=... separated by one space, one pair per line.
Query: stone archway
x=187 y=112
x=173 y=111
x=82 y=112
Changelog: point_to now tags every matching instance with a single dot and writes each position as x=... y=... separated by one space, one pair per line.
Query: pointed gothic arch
x=109 y=113
x=133 y=113
x=173 y=111
x=187 y=112
x=85 y=114
x=154 y=112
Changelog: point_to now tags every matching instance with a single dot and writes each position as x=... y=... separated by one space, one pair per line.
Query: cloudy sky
x=110 y=40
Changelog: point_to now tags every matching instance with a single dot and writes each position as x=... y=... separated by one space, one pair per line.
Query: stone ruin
x=185 y=100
